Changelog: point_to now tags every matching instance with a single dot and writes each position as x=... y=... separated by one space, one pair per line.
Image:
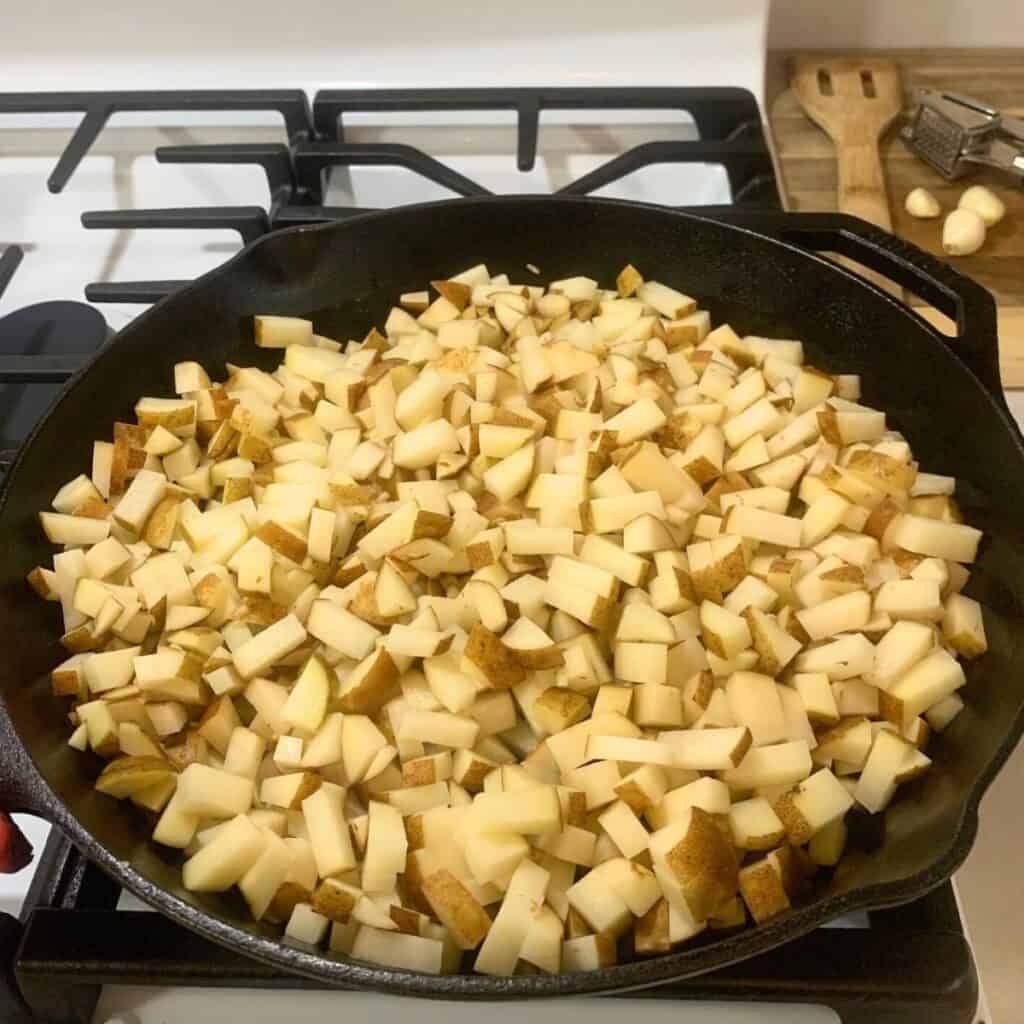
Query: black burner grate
x=727 y=120
x=913 y=965
x=97 y=108
x=10 y=260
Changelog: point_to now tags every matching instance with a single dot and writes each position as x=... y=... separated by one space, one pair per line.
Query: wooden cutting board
x=808 y=176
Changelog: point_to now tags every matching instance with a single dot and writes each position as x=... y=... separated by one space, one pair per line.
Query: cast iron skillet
x=945 y=397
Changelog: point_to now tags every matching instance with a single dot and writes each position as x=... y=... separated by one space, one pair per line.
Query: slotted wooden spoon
x=854 y=99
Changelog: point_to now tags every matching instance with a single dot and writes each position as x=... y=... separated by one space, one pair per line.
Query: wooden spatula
x=835 y=94
x=854 y=100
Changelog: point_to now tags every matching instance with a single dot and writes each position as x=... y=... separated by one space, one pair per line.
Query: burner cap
x=47 y=328
x=52 y=328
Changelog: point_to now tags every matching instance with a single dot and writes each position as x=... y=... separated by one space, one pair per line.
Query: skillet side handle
x=963 y=300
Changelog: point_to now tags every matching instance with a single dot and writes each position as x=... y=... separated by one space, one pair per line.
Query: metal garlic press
x=955 y=133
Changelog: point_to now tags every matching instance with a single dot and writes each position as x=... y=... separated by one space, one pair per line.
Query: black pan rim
x=638 y=974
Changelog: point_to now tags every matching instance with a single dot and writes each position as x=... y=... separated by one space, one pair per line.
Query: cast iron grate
x=10 y=260
x=913 y=965
x=727 y=120
x=97 y=108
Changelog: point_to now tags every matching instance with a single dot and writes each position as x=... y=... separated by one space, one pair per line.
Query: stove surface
x=131 y=1005
x=121 y=173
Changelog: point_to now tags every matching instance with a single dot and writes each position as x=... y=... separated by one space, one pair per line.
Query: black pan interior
x=345 y=276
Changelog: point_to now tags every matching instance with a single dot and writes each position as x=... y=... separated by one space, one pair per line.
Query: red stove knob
x=15 y=849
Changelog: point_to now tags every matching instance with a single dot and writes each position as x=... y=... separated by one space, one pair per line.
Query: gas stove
x=80 y=949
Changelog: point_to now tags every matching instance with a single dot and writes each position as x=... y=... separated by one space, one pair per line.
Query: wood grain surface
x=809 y=178
x=854 y=101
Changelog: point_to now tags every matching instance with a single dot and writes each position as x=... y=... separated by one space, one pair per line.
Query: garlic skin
x=963 y=233
x=985 y=203
x=921 y=203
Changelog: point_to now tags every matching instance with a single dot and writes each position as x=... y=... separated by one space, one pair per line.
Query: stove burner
x=45 y=329
x=33 y=336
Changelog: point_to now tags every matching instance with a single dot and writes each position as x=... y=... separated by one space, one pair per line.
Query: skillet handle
x=964 y=301
x=21 y=786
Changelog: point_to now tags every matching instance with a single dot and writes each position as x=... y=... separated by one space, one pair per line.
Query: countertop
x=805 y=160
x=993 y=905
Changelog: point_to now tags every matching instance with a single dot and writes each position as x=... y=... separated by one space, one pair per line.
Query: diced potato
x=409 y=952
x=708 y=749
x=775 y=765
x=385 y=853
x=456 y=908
x=282 y=331
x=544 y=609
x=812 y=805
x=763 y=887
x=266 y=876
x=527 y=812
x=755 y=825
x=328 y=832
x=270 y=646
x=694 y=863
x=878 y=780
x=724 y=633
x=307 y=702
x=932 y=679
x=225 y=860
x=844 y=614
x=755 y=704
x=339 y=628
x=641 y=662
x=963 y=626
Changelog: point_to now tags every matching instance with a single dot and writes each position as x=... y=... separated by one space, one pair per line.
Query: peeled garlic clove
x=963 y=233
x=921 y=203
x=984 y=202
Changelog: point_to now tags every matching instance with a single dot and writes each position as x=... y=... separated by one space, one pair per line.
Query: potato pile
x=547 y=627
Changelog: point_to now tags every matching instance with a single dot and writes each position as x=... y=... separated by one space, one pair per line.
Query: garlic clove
x=985 y=203
x=963 y=233
x=921 y=203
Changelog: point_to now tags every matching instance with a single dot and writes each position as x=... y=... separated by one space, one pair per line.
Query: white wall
x=67 y=44
x=852 y=24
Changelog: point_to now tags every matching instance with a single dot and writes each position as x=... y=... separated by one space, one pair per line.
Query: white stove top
x=195 y=45
x=61 y=256
x=143 y=1006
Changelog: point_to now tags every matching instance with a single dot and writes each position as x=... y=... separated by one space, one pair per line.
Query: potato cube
x=695 y=863
x=225 y=860
x=754 y=825
x=456 y=908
